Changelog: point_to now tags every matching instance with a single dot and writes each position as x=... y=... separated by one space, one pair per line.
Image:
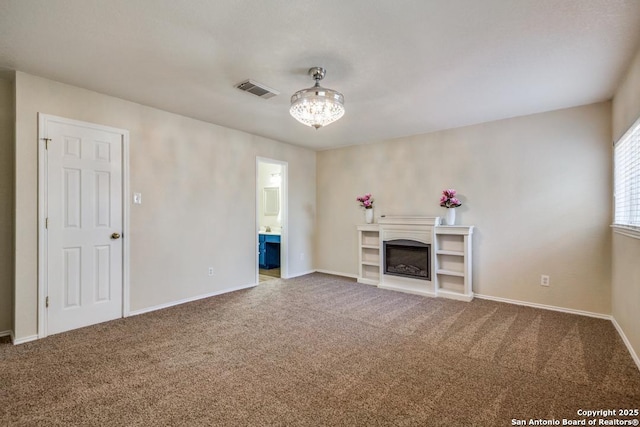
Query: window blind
x=626 y=178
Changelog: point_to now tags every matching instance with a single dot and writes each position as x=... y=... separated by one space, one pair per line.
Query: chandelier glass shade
x=317 y=106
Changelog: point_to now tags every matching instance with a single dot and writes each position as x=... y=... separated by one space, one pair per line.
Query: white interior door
x=84 y=213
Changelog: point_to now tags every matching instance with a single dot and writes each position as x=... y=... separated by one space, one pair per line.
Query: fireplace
x=407 y=258
x=407 y=262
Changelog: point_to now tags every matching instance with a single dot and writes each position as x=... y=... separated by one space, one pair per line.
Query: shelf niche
x=453 y=261
x=369 y=254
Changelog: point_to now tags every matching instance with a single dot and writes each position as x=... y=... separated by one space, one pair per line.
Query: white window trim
x=626 y=231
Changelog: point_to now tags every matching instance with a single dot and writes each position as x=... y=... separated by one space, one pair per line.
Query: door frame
x=43 y=119
x=284 y=234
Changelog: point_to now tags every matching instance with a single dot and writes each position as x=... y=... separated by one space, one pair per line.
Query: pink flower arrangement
x=449 y=200
x=366 y=201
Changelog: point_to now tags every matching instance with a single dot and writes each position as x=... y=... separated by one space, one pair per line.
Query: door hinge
x=46 y=223
x=46 y=142
x=46 y=302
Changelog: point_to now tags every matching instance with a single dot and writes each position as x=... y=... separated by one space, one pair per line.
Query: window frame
x=624 y=229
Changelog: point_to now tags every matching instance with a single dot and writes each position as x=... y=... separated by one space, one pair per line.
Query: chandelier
x=317 y=106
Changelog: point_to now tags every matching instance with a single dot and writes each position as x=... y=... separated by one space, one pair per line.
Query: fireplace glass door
x=407 y=258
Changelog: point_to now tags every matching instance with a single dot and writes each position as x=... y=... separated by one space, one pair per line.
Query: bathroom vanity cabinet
x=269 y=251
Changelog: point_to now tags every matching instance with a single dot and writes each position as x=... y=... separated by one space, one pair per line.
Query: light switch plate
x=137 y=198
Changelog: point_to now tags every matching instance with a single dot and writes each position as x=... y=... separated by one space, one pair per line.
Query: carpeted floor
x=320 y=351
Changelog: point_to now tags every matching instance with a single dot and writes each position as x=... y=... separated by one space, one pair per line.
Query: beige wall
x=537 y=188
x=198 y=187
x=6 y=201
x=626 y=101
x=625 y=280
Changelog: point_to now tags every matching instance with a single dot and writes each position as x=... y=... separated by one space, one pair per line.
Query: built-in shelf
x=451 y=273
x=451 y=264
x=452 y=253
x=369 y=254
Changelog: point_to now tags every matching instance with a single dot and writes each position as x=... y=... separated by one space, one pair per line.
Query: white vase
x=451 y=216
x=368 y=216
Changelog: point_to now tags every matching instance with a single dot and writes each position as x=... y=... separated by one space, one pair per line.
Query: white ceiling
x=405 y=67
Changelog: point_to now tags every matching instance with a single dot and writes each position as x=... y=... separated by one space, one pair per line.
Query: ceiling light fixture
x=317 y=106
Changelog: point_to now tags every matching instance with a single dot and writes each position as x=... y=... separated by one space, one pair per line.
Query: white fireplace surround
x=450 y=256
x=416 y=228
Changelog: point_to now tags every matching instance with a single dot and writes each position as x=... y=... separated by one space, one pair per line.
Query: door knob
x=115 y=236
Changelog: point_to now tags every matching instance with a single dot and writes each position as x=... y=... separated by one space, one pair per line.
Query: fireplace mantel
x=409 y=220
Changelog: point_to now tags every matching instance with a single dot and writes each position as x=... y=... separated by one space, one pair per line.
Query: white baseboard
x=626 y=341
x=186 y=300
x=545 y=307
x=337 y=273
x=304 y=273
x=17 y=341
x=443 y=293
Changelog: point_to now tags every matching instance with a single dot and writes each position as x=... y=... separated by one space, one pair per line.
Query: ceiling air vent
x=257 y=89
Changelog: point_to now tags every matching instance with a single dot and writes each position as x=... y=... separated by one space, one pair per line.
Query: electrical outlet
x=210 y=271
x=544 y=280
x=301 y=256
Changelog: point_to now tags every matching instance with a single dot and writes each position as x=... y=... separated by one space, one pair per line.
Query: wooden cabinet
x=369 y=254
x=269 y=251
x=453 y=262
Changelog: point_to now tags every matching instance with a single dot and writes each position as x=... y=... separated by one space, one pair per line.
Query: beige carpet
x=320 y=350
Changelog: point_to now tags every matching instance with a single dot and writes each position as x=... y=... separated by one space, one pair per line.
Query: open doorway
x=271 y=219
